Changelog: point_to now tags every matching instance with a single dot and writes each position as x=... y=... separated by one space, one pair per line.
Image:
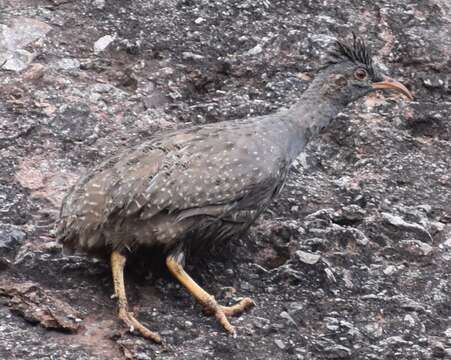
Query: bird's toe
x=238 y=308
x=222 y=319
x=135 y=325
x=222 y=312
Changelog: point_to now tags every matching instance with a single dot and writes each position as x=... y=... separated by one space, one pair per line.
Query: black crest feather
x=356 y=52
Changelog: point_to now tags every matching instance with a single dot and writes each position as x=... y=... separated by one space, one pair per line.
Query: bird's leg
x=205 y=299
x=117 y=268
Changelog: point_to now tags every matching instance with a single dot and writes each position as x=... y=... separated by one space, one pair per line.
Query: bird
x=184 y=190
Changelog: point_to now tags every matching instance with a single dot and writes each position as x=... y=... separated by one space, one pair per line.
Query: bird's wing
x=205 y=170
x=111 y=187
x=203 y=176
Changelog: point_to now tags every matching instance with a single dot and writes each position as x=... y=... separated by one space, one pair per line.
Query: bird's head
x=351 y=73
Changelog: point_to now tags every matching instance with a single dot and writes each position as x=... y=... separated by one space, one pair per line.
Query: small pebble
x=102 y=43
x=307 y=258
x=280 y=344
x=99 y=4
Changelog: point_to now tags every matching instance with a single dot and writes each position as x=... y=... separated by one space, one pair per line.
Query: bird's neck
x=312 y=113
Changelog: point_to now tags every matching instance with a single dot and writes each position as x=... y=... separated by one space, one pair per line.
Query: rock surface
x=351 y=262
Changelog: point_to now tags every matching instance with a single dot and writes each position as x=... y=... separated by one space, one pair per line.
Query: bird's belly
x=164 y=231
x=209 y=232
x=193 y=232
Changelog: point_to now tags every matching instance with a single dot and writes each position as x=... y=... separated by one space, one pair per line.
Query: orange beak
x=392 y=84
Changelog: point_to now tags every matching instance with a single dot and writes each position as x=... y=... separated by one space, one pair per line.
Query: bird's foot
x=134 y=325
x=238 y=308
x=221 y=312
x=205 y=299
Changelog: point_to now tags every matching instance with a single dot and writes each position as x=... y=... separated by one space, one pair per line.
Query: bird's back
x=203 y=182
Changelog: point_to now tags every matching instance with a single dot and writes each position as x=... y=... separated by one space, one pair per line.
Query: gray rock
x=286 y=271
x=102 y=43
x=408 y=304
x=199 y=21
x=67 y=64
x=261 y=323
x=395 y=340
x=14 y=37
x=330 y=275
x=102 y=88
x=437 y=226
x=346 y=324
x=374 y=330
x=316 y=242
x=332 y=323
x=350 y=213
x=187 y=55
x=11 y=238
x=307 y=258
x=415 y=248
x=75 y=123
x=338 y=352
x=285 y=315
x=280 y=344
x=358 y=236
x=257 y=49
x=167 y=332
x=99 y=4
x=399 y=222
x=143 y=356
x=325 y=214
x=17 y=60
x=434 y=81
x=21 y=32
x=409 y=320
x=389 y=270
x=438 y=349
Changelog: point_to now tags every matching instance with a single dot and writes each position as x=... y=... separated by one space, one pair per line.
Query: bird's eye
x=360 y=74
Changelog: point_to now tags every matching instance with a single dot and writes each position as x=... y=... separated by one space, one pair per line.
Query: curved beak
x=392 y=84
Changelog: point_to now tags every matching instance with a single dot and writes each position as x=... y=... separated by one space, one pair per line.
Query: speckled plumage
x=185 y=186
x=205 y=183
x=186 y=189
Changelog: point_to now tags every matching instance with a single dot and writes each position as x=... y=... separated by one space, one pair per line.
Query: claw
x=134 y=324
x=206 y=300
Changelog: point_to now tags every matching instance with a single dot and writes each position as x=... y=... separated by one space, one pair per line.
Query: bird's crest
x=357 y=52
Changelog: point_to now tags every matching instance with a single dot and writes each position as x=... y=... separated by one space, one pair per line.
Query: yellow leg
x=117 y=268
x=207 y=300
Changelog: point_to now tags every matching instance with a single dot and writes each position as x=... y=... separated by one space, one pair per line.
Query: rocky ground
x=351 y=262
